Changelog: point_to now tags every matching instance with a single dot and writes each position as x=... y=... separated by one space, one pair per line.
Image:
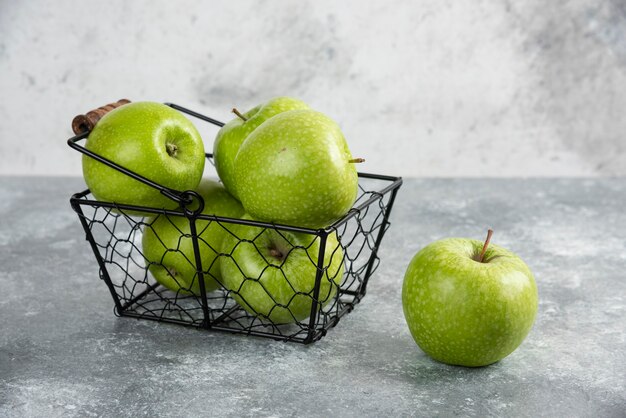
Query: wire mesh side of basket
x=116 y=239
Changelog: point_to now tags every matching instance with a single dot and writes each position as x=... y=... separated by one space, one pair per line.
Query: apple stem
x=275 y=253
x=356 y=160
x=482 y=254
x=238 y=113
x=171 y=149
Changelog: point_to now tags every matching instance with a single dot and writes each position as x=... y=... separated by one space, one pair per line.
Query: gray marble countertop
x=64 y=353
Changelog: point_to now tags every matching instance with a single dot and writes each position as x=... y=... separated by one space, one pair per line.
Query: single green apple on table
x=151 y=139
x=272 y=273
x=468 y=303
x=233 y=134
x=168 y=247
x=296 y=169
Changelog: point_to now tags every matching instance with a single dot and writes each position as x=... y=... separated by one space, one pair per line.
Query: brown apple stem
x=356 y=160
x=171 y=149
x=275 y=253
x=238 y=113
x=482 y=254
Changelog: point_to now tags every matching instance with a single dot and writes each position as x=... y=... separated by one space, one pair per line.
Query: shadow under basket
x=323 y=273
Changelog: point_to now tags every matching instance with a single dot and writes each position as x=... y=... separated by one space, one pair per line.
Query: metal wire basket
x=342 y=258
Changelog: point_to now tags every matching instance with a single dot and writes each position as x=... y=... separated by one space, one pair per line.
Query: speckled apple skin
x=176 y=270
x=279 y=290
x=464 y=312
x=294 y=169
x=135 y=136
x=230 y=137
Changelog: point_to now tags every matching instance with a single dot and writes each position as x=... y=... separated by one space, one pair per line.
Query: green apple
x=168 y=247
x=154 y=141
x=464 y=311
x=272 y=273
x=231 y=136
x=296 y=169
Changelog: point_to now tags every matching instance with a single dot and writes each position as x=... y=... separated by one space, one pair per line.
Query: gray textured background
x=64 y=354
x=428 y=88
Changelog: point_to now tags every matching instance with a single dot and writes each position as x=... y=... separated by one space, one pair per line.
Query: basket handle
x=85 y=123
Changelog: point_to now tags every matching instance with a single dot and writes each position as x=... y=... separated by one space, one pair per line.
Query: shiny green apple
x=154 y=141
x=464 y=311
x=296 y=169
x=231 y=136
x=272 y=273
x=168 y=247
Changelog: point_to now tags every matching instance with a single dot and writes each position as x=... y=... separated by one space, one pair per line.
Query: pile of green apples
x=465 y=302
x=280 y=162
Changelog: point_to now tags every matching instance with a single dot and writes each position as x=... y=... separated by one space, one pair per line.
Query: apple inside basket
x=232 y=273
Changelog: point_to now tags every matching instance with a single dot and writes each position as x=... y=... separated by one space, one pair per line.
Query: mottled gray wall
x=421 y=88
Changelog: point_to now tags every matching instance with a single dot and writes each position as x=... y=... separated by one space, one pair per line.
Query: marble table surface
x=64 y=353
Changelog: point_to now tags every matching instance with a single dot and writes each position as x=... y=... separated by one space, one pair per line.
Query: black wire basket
x=341 y=258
